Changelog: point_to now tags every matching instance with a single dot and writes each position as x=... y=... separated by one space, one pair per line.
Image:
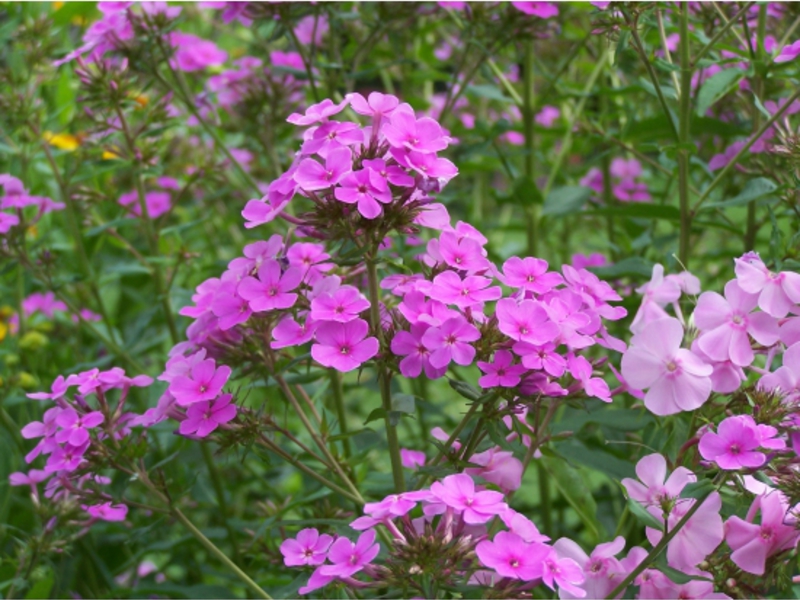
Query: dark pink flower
x=317 y=112
x=500 y=372
x=312 y=176
x=202 y=418
x=450 y=342
x=526 y=321
x=272 y=290
x=734 y=445
x=194 y=54
x=107 y=511
x=416 y=355
x=458 y=492
x=204 y=383
x=510 y=556
x=289 y=332
x=343 y=305
x=449 y=288
x=349 y=558
x=75 y=427
x=422 y=135
x=543 y=10
x=530 y=274
x=344 y=346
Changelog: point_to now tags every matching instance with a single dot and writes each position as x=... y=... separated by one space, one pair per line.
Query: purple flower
x=202 y=418
x=349 y=558
x=500 y=373
x=364 y=188
x=510 y=556
x=317 y=112
x=543 y=10
x=205 y=383
x=308 y=548
x=74 y=427
x=788 y=53
x=423 y=135
x=195 y=54
x=725 y=323
x=343 y=305
x=458 y=492
x=449 y=288
x=526 y=321
x=777 y=292
x=289 y=332
x=342 y=346
x=416 y=355
x=450 y=342
x=230 y=308
x=530 y=274
x=271 y=291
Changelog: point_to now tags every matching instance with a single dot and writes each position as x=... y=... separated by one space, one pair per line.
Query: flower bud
x=27 y=381
x=33 y=341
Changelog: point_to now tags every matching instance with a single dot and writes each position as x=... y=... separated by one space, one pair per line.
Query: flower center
x=451 y=339
x=344 y=350
x=672 y=366
x=514 y=563
x=734 y=449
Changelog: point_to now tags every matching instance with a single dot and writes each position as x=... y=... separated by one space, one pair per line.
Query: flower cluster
x=16 y=199
x=626 y=185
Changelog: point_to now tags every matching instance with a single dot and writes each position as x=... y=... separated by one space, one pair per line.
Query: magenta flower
x=66 y=458
x=530 y=274
x=542 y=357
x=271 y=291
x=230 y=308
x=465 y=254
x=677 y=378
x=107 y=511
x=366 y=189
x=788 y=53
x=422 y=135
x=57 y=390
x=202 y=418
x=450 y=342
x=7 y=221
x=156 y=203
x=75 y=427
x=204 y=383
x=564 y=572
x=752 y=544
x=349 y=558
x=412 y=459
x=734 y=445
x=498 y=467
x=317 y=112
x=725 y=323
x=194 y=54
x=543 y=10
x=509 y=556
x=449 y=288
x=342 y=346
x=376 y=105
x=458 y=492
x=289 y=332
x=581 y=369
x=526 y=321
x=416 y=355
x=777 y=292
x=342 y=305
x=311 y=175
x=500 y=373
x=308 y=548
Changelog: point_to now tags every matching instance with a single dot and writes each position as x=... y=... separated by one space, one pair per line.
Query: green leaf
x=566 y=200
x=666 y=66
x=716 y=87
x=761 y=107
x=698 y=489
x=574 y=489
x=633 y=266
x=403 y=403
x=70 y=10
x=469 y=392
x=111 y=224
x=639 y=211
x=491 y=92
x=42 y=588
x=644 y=517
x=753 y=190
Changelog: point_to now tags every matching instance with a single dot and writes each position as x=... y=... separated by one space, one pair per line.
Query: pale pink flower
x=308 y=548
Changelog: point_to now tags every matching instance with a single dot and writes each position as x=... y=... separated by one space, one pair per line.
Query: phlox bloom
x=308 y=548
x=677 y=378
x=343 y=346
x=204 y=383
x=510 y=556
x=202 y=418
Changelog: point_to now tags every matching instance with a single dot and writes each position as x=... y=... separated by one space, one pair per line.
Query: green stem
x=722 y=31
x=384 y=376
x=735 y=160
x=751 y=229
x=341 y=413
x=685 y=116
x=221 y=556
x=659 y=548
x=219 y=491
x=528 y=109
x=546 y=505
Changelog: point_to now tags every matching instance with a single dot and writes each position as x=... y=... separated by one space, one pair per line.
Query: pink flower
x=510 y=556
x=602 y=570
x=530 y=274
x=458 y=492
x=412 y=459
x=202 y=418
x=653 y=489
x=526 y=321
x=564 y=572
x=450 y=342
x=500 y=373
x=416 y=355
x=343 y=305
x=449 y=288
x=57 y=390
x=157 y=203
x=785 y=379
x=581 y=369
x=107 y=511
x=318 y=112
x=205 y=383
x=376 y=105
x=349 y=558
x=725 y=323
x=366 y=189
x=733 y=446
x=271 y=291
x=677 y=378
x=342 y=346
x=289 y=332
x=498 y=467
x=542 y=357
x=311 y=175
x=423 y=135
x=465 y=254
x=230 y=308
x=547 y=116
x=543 y=10
x=777 y=292
x=195 y=54
x=75 y=427
x=308 y=548
x=752 y=544
x=788 y=53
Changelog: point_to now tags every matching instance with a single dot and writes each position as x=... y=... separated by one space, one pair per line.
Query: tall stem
x=751 y=229
x=530 y=145
x=219 y=491
x=683 y=154
x=384 y=377
x=341 y=413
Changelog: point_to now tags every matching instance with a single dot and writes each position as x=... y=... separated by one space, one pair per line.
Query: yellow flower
x=141 y=99
x=108 y=155
x=62 y=141
x=57 y=5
